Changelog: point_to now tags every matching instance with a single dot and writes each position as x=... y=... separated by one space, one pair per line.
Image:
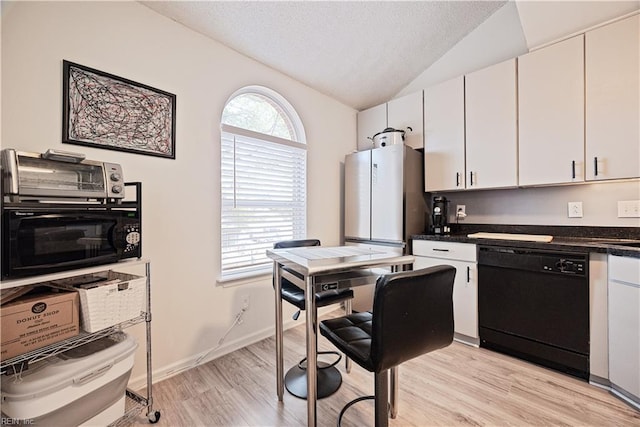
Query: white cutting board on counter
x=511 y=236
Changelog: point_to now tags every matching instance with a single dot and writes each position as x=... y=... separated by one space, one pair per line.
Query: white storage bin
x=107 y=298
x=83 y=386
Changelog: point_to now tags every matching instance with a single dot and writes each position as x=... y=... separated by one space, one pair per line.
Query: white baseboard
x=140 y=381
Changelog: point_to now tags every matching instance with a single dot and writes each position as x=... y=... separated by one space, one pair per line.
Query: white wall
x=497 y=39
x=548 y=205
x=181 y=197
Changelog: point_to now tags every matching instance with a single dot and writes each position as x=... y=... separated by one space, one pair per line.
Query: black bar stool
x=329 y=378
x=412 y=315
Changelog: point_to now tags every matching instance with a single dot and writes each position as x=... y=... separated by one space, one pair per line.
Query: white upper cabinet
x=406 y=112
x=612 y=55
x=400 y=113
x=444 y=162
x=551 y=114
x=370 y=122
x=491 y=127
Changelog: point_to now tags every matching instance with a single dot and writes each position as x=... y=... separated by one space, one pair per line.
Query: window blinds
x=263 y=198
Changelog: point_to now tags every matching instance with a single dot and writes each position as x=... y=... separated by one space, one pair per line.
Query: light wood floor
x=455 y=386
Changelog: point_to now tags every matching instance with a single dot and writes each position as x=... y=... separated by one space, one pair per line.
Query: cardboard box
x=37 y=320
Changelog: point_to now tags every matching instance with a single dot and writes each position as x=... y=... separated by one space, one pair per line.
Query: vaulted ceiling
x=361 y=52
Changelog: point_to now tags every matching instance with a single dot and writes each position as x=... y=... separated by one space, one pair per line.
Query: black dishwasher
x=534 y=305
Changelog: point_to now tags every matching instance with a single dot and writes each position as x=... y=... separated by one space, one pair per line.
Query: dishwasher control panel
x=556 y=262
x=564 y=265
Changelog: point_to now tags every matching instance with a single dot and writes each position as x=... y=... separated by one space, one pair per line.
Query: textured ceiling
x=359 y=52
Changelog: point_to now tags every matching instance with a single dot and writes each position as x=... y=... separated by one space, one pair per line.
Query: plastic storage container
x=83 y=386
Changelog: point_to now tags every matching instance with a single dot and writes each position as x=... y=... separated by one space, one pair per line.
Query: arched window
x=263 y=179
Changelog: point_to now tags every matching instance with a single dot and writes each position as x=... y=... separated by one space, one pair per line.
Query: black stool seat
x=352 y=334
x=412 y=315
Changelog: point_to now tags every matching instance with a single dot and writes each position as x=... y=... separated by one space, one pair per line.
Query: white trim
x=243 y=279
x=263 y=136
x=584 y=31
x=281 y=101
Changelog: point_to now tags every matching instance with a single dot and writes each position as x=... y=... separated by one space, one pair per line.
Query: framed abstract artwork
x=106 y=111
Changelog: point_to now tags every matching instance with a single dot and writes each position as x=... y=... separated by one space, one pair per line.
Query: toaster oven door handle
x=10 y=166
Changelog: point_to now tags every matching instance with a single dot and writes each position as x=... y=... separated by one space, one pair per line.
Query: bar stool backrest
x=412 y=315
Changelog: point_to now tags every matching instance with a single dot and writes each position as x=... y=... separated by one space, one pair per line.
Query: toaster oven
x=59 y=174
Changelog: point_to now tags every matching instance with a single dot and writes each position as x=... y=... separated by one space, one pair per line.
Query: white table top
x=323 y=259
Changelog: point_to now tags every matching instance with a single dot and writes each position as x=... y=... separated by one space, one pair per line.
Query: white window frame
x=256 y=263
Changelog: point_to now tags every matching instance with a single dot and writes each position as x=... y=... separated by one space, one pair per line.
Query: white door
x=551 y=114
x=612 y=55
x=357 y=195
x=444 y=136
x=387 y=193
x=465 y=293
x=624 y=324
x=491 y=127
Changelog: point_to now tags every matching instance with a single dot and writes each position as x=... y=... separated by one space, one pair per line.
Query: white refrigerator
x=384 y=202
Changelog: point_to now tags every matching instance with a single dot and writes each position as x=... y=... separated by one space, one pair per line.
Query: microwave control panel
x=131 y=234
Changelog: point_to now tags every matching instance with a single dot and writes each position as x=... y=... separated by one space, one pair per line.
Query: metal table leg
x=279 y=355
x=348 y=310
x=393 y=383
x=312 y=350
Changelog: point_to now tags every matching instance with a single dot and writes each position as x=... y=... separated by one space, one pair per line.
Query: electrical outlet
x=575 y=209
x=461 y=211
x=629 y=209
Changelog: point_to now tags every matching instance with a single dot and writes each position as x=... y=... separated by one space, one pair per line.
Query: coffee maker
x=439 y=218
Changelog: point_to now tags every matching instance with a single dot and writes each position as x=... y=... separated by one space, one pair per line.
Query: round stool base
x=329 y=381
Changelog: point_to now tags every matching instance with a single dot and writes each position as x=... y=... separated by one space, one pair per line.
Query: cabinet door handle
x=471 y=177
x=468 y=274
x=440 y=250
x=573 y=169
x=457 y=179
x=595 y=166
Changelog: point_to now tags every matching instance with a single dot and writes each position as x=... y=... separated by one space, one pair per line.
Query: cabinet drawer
x=445 y=250
x=624 y=269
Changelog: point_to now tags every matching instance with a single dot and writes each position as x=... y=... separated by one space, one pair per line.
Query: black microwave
x=41 y=241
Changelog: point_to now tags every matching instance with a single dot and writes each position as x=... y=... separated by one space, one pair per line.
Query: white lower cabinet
x=624 y=327
x=462 y=256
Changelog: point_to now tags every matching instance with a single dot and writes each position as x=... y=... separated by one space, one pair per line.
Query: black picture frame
x=102 y=110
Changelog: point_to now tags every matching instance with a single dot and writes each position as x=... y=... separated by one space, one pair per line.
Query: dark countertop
x=609 y=240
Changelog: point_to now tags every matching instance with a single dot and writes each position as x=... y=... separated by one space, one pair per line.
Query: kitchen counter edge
x=581 y=244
